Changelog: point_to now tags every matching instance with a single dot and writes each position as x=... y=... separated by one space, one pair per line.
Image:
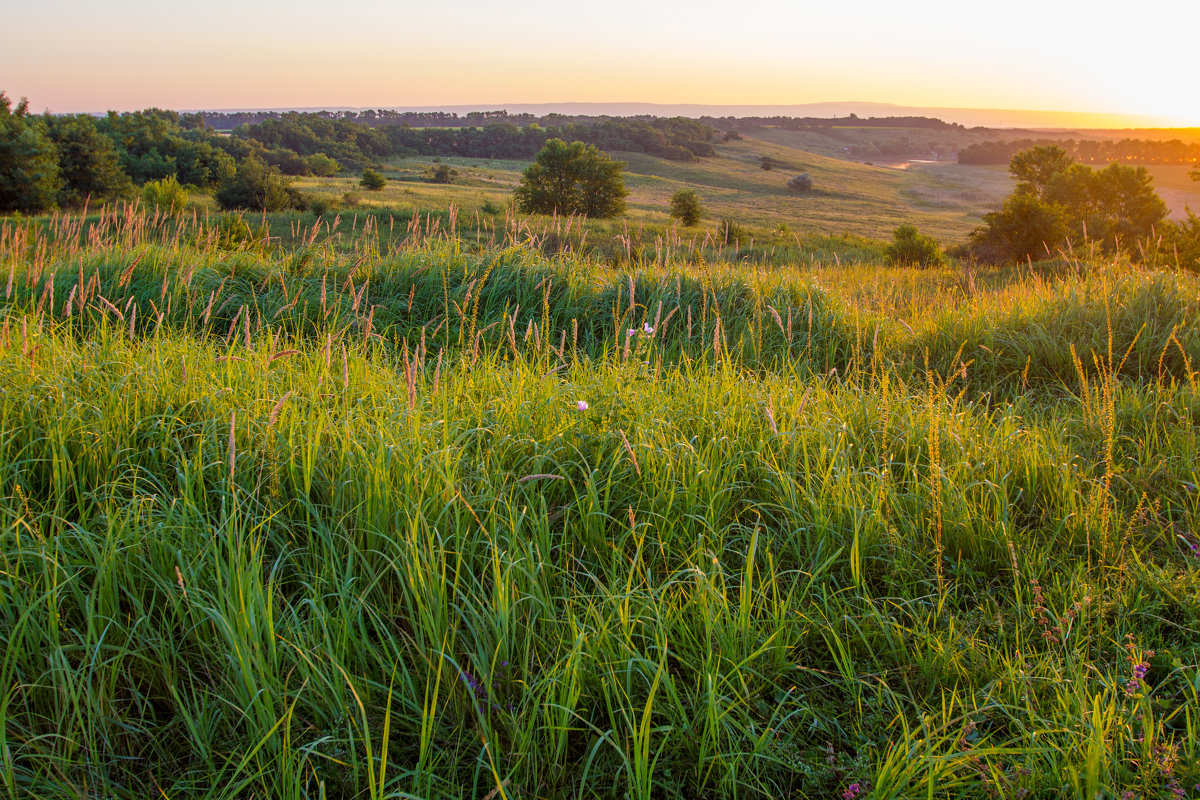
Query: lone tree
x=372 y=181
x=573 y=178
x=685 y=207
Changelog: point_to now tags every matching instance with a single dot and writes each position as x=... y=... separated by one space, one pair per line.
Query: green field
x=946 y=200
x=328 y=517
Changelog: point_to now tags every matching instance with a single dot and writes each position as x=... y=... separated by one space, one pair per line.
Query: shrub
x=372 y=181
x=235 y=233
x=443 y=173
x=801 y=184
x=165 y=193
x=319 y=206
x=911 y=248
x=322 y=165
x=767 y=163
x=491 y=207
x=1025 y=227
x=730 y=233
x=685 y=207
x=255 y=186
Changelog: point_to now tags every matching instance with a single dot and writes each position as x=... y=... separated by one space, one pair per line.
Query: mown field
x=348 y=515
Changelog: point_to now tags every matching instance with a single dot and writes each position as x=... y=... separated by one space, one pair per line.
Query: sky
x=1064 y=55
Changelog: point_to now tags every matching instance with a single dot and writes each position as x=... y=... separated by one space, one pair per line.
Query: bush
x=801 y=184
x=372 y=181
x=256 y=186
x=767 y=163
x=322 y=165
x=443 y=173
x=491 y=207
x=910 y=248
x=685 y=207
x=730 y=233
x=319 y=206
x=165 y=193
x=1025 y=227
x=235 y=233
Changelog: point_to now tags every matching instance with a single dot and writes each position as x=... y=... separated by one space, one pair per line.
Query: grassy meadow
x=355 y=514
x=850 y=198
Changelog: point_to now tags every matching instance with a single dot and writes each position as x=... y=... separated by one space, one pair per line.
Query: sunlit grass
x=330 y=521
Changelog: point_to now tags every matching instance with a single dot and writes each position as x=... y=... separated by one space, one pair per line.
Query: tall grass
x=332 y=522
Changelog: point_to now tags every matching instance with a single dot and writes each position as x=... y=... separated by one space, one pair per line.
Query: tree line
x=49 y=161
x=731 y=123
x=353 y=142
x=1125 y=151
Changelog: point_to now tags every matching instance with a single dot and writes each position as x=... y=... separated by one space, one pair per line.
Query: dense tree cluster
x=29 y=179
x=1059 y=201
x=354 y=143
x=53 y=161
x=1125 y=151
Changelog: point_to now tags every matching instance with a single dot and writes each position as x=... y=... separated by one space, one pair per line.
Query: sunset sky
x=1102 y=56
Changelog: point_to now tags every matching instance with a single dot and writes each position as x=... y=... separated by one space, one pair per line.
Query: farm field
x=341 y=513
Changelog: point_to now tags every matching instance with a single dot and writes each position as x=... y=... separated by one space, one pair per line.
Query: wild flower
x=1192 y=547
x=581 y=405
x=647 y=328
x=1139 y=664
x=474 y=685
x=631 y=332
x=853 y=791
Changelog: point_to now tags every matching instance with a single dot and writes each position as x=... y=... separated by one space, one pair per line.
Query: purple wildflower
x=1139 y=674
x=474 y=685
x=853 y=791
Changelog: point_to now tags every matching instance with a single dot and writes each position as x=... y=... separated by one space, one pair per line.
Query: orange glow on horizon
x=933 y=54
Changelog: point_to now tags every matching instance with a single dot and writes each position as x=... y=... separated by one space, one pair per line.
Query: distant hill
x=971 y=117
